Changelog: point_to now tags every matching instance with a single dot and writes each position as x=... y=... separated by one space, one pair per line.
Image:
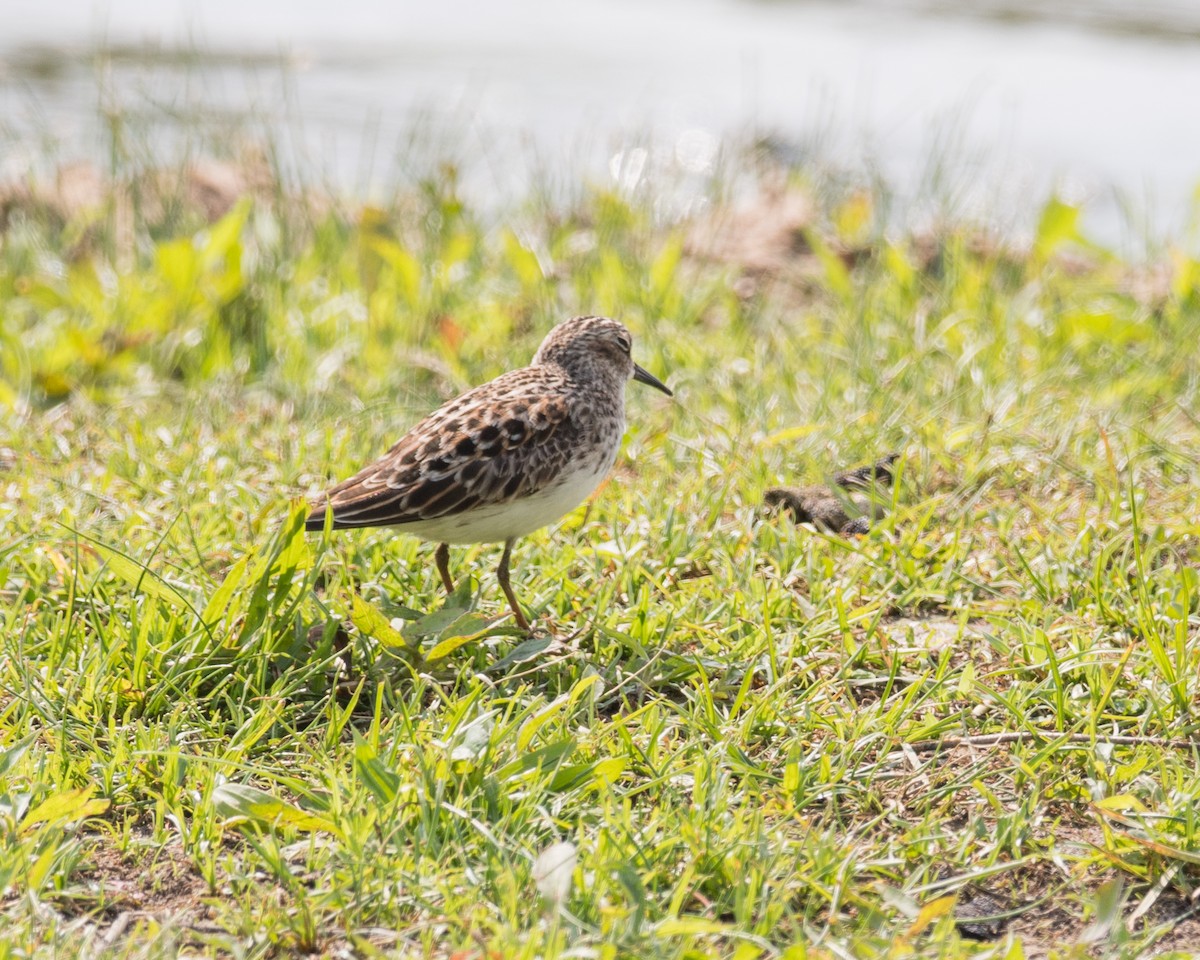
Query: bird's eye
x=625 y=343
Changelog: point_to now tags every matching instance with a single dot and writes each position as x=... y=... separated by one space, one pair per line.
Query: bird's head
x=589 y=346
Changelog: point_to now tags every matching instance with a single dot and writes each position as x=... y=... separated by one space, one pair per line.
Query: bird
x=844 y=506
x=505 y=458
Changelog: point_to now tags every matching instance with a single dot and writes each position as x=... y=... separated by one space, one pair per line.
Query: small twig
x=116 y=930
x=1030 y=736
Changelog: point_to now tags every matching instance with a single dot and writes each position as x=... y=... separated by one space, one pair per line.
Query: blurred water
x=989 y=103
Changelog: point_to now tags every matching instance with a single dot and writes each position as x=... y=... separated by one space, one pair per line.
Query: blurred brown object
x=764 y=236
x=206 y=189
x=845 y=506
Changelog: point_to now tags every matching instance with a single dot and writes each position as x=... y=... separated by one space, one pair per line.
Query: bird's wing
x=493 y=444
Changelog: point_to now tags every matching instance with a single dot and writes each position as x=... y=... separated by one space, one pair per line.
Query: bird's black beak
x=641 y=376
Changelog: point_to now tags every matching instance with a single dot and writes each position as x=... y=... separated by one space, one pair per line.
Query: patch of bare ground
x=121 y=901
x=1049 y=903
x=1051 y=914
x=116 y=895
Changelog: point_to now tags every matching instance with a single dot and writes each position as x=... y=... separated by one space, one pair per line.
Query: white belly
x=492 y=524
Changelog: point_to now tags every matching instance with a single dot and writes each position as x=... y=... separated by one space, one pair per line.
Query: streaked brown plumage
x=505 y=458
x=836 y=508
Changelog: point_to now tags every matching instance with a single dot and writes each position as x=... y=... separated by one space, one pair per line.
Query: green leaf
x=1185 y=277
x=1059 y=224
x=224 y=235
x=689 y=927
x=383 y=783
x=8 y=396
x=1110 y=898
x=543 y=757
x=1121 y=802
x=899 y=265
x=434 y=624
x=291 y=548
x=239 y=801
x=837 y=275
x=141 y=578
x=662 y=270
x=461 y=630
x=443 y=648
x=69 y=805
x=218 y=605
x=584 y=685
x=12 y=755
x=1016 y=951
x=84 y=285
x=593 y=775
x=457 y=249
x=40 y=870
x=404 y=265
x=531 y=726
x=966 y=681
x=931 y=913
x=632 y=882
x=852 y=219
x=522 y=652
x=179 y=266
x=523 y=261
x=374 y=624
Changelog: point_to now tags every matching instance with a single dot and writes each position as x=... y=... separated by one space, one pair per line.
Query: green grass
x=729 y=717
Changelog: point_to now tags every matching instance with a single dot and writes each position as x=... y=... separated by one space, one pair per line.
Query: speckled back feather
x=499 y=442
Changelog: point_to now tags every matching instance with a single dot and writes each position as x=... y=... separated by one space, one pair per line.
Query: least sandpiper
x=845 y=506
x=505 y=458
